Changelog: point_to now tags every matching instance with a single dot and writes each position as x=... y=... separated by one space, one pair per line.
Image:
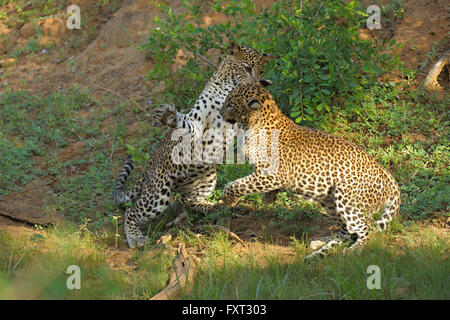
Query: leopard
x=348 y=184
x=167 y=171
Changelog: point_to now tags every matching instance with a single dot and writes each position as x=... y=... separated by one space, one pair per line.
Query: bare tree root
x=430 y=82
x=181 y=277
x=184 y=215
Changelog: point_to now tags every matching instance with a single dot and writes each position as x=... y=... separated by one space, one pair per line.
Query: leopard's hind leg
x=391 y=208
x=349 y=209
x=152 y=202
x=321 y=246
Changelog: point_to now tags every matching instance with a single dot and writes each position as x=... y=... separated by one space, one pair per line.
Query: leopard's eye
x=248 y=70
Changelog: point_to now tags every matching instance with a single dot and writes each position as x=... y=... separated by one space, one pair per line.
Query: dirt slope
x=424 y=24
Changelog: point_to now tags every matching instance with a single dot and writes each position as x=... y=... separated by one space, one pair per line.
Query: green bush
x=322 y=65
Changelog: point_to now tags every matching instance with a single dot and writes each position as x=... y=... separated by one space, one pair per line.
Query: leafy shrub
x=322 y=65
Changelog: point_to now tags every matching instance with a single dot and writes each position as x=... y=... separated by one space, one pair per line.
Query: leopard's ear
x=254 y=105
x=265 y=82
x=234 y=50
x=268 y=57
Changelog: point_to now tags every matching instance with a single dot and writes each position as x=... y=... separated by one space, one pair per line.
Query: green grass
x=37 y=269
x=34 y=267
x=416 y=272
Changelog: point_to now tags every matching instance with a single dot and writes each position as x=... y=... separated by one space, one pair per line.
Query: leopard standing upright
x=349 y=184
x=194 y=182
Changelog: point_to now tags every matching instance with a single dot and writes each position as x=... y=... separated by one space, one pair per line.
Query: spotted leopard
x=349 y=184
x=167 y=171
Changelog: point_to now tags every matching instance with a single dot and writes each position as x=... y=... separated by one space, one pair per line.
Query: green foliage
x=139 y=155
x=322 y=66
x=37 y=265
x=42 y=120
x=393 y=11
x=16 y=163
x=426 y=191
x=227 y=173
x=29 y=126
x=86 y=196
x=290 y=208
x=32 y=46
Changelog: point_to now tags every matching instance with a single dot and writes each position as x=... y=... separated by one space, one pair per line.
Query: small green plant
x=115 y=221
x=139 y=155
x=37 y=237
x=394 y=10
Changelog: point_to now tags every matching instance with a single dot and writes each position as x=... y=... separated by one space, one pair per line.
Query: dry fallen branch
x=124 y=98
x=430 y=82
x=177 y=221
x=207 y=60
x=225 y=229
x=181 y=277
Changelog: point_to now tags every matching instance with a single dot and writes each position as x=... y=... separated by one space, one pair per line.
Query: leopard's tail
x=118 y=193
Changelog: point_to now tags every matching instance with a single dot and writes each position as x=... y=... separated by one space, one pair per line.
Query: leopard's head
x=242 y=101
x=242 y=65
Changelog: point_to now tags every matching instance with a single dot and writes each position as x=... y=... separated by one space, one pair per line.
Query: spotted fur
x=194 y=182
x=345 y=180
x=118 y=194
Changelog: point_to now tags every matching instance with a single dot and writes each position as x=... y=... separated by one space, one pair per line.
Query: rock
x=7 y=62
x=28 y=205
x=27 y=30
x=29 y=213
x=53 y=27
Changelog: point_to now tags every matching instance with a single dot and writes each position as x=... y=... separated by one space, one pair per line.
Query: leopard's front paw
x=136 y=241
x=228 y=199
x=317 y=244
x=164 y=115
